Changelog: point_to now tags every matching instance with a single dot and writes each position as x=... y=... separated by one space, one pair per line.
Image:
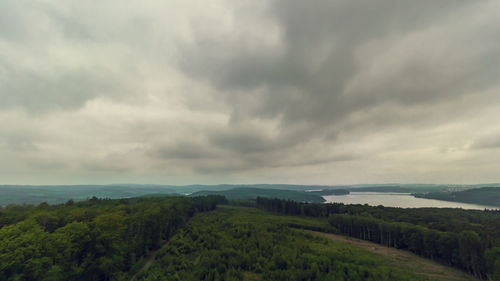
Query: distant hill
x=399 y=188
x=35 y=194
x=415 y=188
x=55 y=194
x=220 y=187
x=246 y=193
x=326 y=192
x=484 y=196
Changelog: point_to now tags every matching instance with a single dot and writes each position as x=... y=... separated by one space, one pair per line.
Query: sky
x=278 y=91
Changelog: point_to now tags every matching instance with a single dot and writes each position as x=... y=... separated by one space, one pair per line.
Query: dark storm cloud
x=311 y=76
x=340 y=66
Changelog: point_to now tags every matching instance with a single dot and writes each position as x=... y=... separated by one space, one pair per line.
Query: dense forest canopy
x=98 y=239
x=235 y=243
x=105 y=239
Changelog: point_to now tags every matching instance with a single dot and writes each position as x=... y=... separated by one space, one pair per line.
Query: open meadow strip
x=403 y=259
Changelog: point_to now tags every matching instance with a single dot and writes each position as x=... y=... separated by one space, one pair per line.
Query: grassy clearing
x=402 y=259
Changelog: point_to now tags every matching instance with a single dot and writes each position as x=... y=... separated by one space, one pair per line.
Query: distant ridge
x=56 y=194
x=246 y=193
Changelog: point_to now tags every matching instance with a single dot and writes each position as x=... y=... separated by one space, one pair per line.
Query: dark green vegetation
x=105 y=239
x=465 y=239
x=253 y=193
x=326 y=192
x=235 y=243
x=91 y=240
x=484 y=195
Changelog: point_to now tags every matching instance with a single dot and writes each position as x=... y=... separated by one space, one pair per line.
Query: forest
x=466 y=239
x=211 y=238
x=98 y=239
x=325 y=192
x=484 y=195
x=235 y=243
x=246 y=193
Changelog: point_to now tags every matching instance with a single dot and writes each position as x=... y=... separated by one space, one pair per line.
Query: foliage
x=485 y=196
x=234 y=243
x=104 y=239
x=461 y=238
x=98 y=239
x=325 y=192
x=252 y=193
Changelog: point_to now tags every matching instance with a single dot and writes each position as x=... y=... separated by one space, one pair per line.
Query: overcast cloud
x=280 y=91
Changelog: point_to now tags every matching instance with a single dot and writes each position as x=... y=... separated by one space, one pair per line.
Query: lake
x=402 y=200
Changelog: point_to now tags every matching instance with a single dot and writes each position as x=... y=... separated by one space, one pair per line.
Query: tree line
x=466 y=239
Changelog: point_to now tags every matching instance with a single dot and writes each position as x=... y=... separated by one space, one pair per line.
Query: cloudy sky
x=278 y=91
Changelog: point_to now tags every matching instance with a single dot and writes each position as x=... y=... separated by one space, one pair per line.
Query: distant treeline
x=246 y=193
x=58 y=194
x=326 y=192
x=484 y=196
x=466 y=239
x=98 y=239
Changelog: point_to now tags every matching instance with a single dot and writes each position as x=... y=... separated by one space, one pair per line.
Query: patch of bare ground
x=403 y=259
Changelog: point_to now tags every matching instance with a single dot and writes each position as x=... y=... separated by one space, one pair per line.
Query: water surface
x=402 y=200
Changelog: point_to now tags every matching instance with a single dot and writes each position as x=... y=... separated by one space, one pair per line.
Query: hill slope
x=403 y=259
x=236 y=243
x=489 y=196
x=56 y=194
x=247 y=193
